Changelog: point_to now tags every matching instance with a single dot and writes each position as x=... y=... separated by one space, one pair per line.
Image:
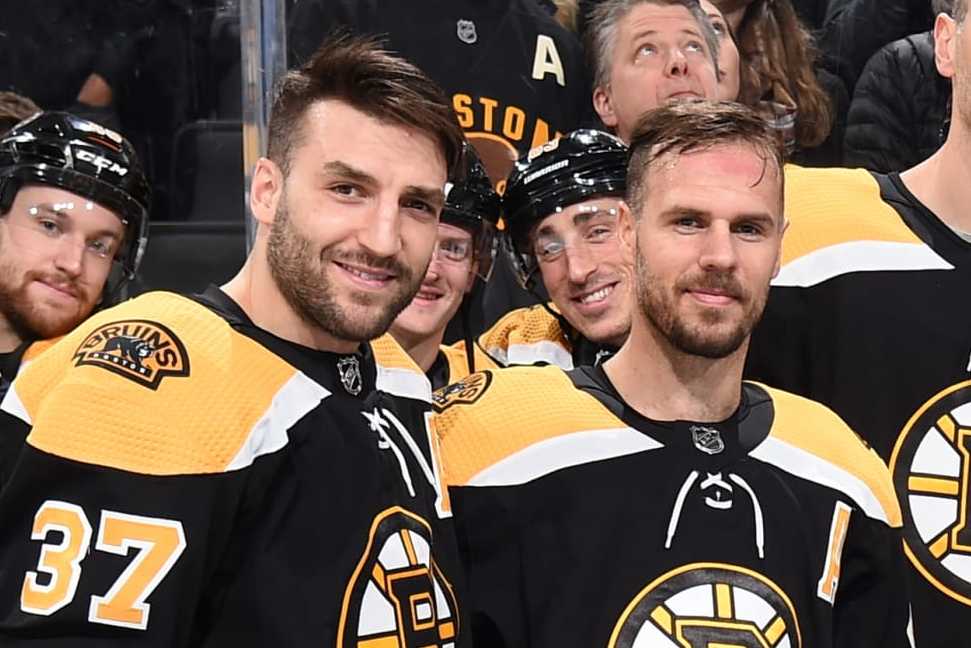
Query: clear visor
x=479 y=249
x=78 y=233
x=593 y=232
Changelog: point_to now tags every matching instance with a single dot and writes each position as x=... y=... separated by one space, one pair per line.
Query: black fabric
x=855 y=29
x=9 y=365
x=438 y=372
x=900 y=112
x=888 y=350
x=829 y=153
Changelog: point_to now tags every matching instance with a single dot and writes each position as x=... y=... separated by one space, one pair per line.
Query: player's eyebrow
x=349 y=172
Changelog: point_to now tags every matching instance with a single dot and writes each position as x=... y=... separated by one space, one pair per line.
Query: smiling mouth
x=372 y=275
x=427 y=295
x=596 y=296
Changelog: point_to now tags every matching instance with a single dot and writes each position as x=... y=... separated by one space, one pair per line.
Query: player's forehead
x=37 y=200
x=335 y=136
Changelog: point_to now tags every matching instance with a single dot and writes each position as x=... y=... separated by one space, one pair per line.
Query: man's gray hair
x=604 y=21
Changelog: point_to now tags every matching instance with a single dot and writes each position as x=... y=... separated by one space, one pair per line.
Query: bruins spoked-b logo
x=397 y=596
x=142 y=351
x=703 y=605
x=931 y=463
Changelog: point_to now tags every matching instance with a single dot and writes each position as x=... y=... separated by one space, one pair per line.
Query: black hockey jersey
x=869 y=315
x=192 y=480
x=582 y=523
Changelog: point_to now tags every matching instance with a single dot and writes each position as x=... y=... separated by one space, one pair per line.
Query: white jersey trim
x=575 y=449
x=806 y=465
x=858 y=256
x=528 y=354
x=296 y=399
x=14 y=406
x=404 y=383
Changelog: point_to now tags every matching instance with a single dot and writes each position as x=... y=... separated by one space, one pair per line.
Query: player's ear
x=604 y=106
x=265 y=190
x=626 y=230
x=945 y=42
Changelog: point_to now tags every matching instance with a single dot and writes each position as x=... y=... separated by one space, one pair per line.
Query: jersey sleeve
x=117 y=519
x=872 y=601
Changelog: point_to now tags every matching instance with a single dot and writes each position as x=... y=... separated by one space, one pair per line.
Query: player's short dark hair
x=689 y=126
x=360 y=72
x=14 y=108
x=603 y=22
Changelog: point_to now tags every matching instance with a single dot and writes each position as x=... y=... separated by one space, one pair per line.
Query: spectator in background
x=780 y=77
x=14 y=109
x=645 y=53
x=901 y=106
x=515 y=76
x=66 y=56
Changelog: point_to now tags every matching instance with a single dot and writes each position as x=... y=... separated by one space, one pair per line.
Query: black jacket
x=855 y=29
x=901 y=108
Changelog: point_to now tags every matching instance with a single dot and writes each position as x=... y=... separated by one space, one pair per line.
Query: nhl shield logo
x=708 y=440
x=349 y=369
x=465 y=29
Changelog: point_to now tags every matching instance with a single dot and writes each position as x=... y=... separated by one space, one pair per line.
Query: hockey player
x=73 y=214
x=869 y=315
x=465 y=249
x=658 y=500
x=561 y=208
x=235 y=468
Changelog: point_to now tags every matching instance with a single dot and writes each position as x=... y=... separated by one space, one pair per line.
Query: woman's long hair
x=778 y=57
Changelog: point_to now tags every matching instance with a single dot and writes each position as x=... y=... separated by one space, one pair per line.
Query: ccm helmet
x=65 y=151
x=472 y=204
x=579 y=166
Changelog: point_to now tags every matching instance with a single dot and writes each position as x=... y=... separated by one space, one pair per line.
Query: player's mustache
x=391 y=264
x=62 y=281
x=722 y=282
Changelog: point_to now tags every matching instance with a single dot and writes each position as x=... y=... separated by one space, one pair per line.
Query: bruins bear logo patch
x=931 y=465
x=709 y=604
x=142 y=351
x=464 y=392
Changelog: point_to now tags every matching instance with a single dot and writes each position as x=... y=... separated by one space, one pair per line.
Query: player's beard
x=27 y=319
x=708 y=336
x=300 y=274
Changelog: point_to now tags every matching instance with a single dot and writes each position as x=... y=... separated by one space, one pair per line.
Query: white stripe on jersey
x=526 y=354
x=858 y=256
x=296 y=398
x=806 y=465
x=14 y=406
x=405 y=383
x=556 y=453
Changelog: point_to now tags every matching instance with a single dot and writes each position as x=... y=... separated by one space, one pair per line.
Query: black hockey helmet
x=65 y=151
x=579 y=166
x=472 y=204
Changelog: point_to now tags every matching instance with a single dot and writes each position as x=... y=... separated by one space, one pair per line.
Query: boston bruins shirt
x=582 y=523
x=869 y=315
x=191 y=480
x=534 y=335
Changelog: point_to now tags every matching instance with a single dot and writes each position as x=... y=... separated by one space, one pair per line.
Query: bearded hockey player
x=73 y=224
x=237 y=468
x=658 y=500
